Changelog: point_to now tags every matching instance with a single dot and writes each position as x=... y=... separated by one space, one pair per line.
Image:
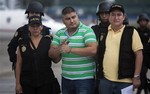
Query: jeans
x=109 y=87
x=84 y=86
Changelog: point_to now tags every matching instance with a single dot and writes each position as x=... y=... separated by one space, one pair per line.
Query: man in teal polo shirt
x=77 y=45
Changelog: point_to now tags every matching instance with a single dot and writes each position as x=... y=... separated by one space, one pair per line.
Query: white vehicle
x=10 y=20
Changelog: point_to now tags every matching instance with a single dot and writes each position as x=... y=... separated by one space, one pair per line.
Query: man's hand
x=65 y=48
x=136 y=82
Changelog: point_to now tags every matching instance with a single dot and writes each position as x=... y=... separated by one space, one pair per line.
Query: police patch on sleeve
x=23 y=48
x=101 y=37
x=50 y=32
x=16 y=34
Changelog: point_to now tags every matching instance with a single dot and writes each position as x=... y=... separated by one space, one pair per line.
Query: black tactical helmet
x=142 y=16
x=35 y=7
x=103 y=7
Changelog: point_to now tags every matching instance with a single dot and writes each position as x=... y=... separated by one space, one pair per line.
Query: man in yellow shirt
x=119 y=54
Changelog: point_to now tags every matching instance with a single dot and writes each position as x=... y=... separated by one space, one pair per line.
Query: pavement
x=5 y=64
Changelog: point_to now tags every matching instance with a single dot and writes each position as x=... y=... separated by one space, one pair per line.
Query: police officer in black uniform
x=34 y=9
x=103 y=16
x=144 y=34
x=34 y=74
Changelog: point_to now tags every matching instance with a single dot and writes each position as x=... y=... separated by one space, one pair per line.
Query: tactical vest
x=144 y=34
x=36 y=66
x=99 y=29
x=126 y=55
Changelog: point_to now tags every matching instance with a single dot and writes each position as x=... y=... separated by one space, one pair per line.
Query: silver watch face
x=137 y=76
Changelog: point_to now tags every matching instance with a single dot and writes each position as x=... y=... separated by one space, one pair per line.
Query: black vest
x=99 y=29
x=145 y=38
x=126 y=55
x=22 y=32
x=36 y=66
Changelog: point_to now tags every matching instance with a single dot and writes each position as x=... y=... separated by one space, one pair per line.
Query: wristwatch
x=136 y=77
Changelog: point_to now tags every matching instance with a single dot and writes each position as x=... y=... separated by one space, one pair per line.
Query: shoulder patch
x=47 y=36
x=20 y=38
x=16 y=34
x=50 y=32
x=23 y=48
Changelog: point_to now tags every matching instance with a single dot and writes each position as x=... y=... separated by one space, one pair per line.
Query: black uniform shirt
x=21 y=32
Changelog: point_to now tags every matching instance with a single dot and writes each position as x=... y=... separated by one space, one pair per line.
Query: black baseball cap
x=117 y=7
x=35 y=20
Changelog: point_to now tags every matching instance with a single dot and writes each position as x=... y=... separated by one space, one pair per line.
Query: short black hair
x=67 y=10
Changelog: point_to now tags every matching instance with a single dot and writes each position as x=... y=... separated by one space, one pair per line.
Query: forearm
x=138 y=62
x=56 y=60
x=18 y=66
x=18 y=71
x=54 y=53
x=87 y=51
